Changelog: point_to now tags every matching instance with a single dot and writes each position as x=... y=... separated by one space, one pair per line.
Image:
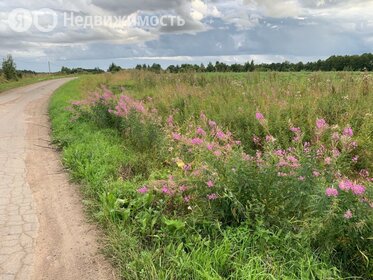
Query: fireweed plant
x=204 y=182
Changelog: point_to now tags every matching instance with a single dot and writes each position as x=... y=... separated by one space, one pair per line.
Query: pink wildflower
x=212 y=124
x=143 y=190
x=296 y=130
x=220 y=135
x=183 y=188
x=358 y=189
x=256 y=140
x=166 y=190
x=259 y=116
x=331 y=192
x=301 y=178
x=270 y=139
x=187 y=167
x=218 y=153
x=353 y=145
x=348 y=132
x=170 y=120
x=348 y=215
x=328 y=160
x=210 y=184
x=187 y=198
x=201 y=132
x=176 y=136
x=212 y=196
x=335 y=136
x=316 y=173
x=197 y=141
x=280 y=153
x=355 y=158
x=336 y=153
x=345 y=185
x=210 y=147
x=321 y=124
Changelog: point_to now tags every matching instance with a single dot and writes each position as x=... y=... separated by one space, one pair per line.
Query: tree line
x=362 y=62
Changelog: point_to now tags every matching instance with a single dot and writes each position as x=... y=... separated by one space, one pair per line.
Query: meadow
x=225 y=176
x=27 y=79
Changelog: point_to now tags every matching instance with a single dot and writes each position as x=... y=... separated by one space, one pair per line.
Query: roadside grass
x=28 y=80
x=147 y=240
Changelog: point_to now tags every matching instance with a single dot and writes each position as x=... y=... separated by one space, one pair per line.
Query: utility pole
x=49 y=67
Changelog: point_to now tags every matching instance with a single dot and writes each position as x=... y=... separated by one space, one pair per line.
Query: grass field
x=27 y=80
x=225 y=176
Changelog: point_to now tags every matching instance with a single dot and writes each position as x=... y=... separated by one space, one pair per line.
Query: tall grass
x=261 y=222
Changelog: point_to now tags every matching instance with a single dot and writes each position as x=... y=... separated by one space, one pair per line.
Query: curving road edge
x=43 y=230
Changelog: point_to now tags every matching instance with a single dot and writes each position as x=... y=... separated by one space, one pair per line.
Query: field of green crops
x=225 y=176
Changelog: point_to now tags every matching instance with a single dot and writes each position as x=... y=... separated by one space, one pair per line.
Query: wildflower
x=316 y=173
x=348 y=132
x=218 y=153
x=176 y=136
x=256 y=140
x=170 y=120
x=353 y=145
x=358 y=189
x=301 y=178
x=183 y=188
x=203 y=117
x=335 y=136
x=282 y=174
x=212 y=196
x=348 y=214
x=210 y=147
x=212 y=124
x=336 y=153
x=296 y=130
x=345 y=185
x=143 y=190
x=166 y=190
x=201 y=132
x=197 y=141
x=259 y=116
x=355 y=158
x=307 y=147
x=296 y=139
x=220 y=135
x=210 y=184
x=331 y=192
x=270 y=139
x=321 y=124
x=328 y=160
x=246 y=157
x=279 y=153
x=187 y=198
x=187 y=167
x=364 y=173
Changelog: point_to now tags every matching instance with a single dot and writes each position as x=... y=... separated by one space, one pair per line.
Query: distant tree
x=9 y=68
x=210 y=67
x=65 y=70
x=114 y=68
x=156 y=67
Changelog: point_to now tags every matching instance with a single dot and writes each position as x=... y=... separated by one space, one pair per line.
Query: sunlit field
x=225 y=176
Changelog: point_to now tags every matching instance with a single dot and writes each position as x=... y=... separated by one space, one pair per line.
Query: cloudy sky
x=180 y=31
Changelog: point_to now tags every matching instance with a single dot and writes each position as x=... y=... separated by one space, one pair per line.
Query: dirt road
x=44 y=233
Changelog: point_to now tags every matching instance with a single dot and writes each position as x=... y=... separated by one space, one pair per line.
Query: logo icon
x=20 y=20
